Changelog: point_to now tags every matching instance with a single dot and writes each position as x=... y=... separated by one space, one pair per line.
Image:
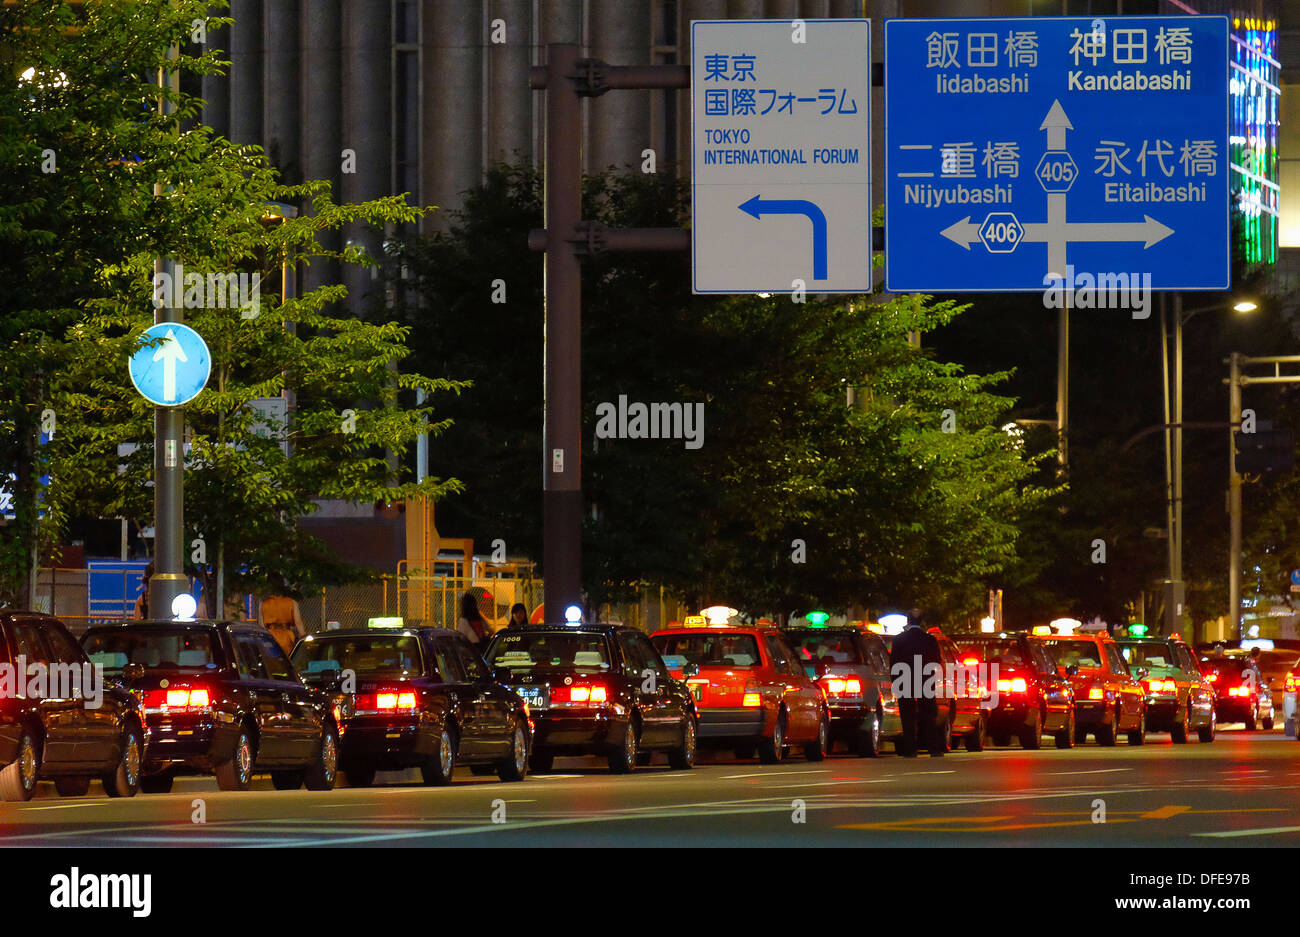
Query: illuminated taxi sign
x=1066 y=625
x=817 y=619
x=382 y=622
x=894 y=623
x=718 y=614
x=694 y=621
x=988 y=624
x=1137 y=630
x=1042 y=629
x=875 y=627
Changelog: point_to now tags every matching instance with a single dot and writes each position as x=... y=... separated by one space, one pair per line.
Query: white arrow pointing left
x=170 y=352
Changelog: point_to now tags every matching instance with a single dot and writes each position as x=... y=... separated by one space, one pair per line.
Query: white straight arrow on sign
x=169 y=353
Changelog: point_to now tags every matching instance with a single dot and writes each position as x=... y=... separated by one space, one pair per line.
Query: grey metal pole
x=1234 y=497
x=169 y=578
x=1177 y=589
x=1063 y=385
x=1170 y=625
x=562 y=454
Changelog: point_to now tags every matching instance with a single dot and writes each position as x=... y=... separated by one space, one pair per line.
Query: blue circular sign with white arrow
x=173 y=368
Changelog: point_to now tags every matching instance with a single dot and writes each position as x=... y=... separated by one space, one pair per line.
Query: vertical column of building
x=451 y=156
x=781 y=9
x=509 y=115
x=280 y=103
x=693 y=10
x=745 y=10
x=246 y=72
x=216 y=88
x=558 y=21
x=366 y=114
x=619 y=121
x=322 y=117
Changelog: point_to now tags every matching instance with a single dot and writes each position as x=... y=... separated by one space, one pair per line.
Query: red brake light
x=1212 y=677
x=1015 y=685
x=751 y=700
x=1292 y=684
x=971 y=661
x=835 y=686
x=1095 y=693
x=178 y=699
x=580 y=693
x=391 y=700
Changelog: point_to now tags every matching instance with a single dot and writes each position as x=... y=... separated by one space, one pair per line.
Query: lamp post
x=1174 y=448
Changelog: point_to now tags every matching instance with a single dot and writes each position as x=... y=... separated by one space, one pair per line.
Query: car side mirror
x=1072 y=670
x=132 y=672
x=690 y=670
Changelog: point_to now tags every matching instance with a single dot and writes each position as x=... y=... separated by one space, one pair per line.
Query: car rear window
x=1148 y=654
x=182 y=649
x=370 y=655
x=711 y=648
x=554 y=650
x=832 y=647
x=1074 y=653
x=1004 y=653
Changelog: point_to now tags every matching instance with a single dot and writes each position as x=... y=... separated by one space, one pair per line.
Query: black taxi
x=1028 y=698
x=416 y=698
x=58 y=720
x=221 y=698
x=596 y=689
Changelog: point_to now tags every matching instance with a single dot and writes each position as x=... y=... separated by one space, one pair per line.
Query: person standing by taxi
x=281 y=616
x=518 y=615
x=916 y=648
x=471 y=623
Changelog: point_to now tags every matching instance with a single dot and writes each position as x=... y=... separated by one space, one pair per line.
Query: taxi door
x=802 y=696
x=489 y=711
x=274 y=735
x=301 y=714
x=1131 y=693
x=640 y=670
x=62 y=718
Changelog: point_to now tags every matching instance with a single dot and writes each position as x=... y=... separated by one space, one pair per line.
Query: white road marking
x=1098 y=771
x=771 y=774
x=62 y=806
x=1266 y=831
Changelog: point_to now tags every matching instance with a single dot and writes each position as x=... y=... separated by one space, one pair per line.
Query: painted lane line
x=61 y=806
x=771 y=774
x=1098 y=771
x=1267 y=831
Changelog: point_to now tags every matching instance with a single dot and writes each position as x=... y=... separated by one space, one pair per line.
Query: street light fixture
x=1174 y=446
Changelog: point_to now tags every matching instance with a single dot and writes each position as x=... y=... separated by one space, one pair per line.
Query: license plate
x=535 y=697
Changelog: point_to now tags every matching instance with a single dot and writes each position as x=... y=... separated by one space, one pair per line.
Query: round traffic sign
x=173 y=367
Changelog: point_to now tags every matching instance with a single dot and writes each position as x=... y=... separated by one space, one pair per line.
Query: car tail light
x=393 y=701
x=1212 y=677
x=1238 y=691
x=1014 y=685
x=751 y=700
x=1096 y=692
x=1292 y=684
x=1162 y=686
x=590 y=693
x=840 y=686
x=178 y=699
x=971 y=661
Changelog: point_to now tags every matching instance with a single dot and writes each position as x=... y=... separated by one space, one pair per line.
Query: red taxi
x=750 y=691
x=1108 y=699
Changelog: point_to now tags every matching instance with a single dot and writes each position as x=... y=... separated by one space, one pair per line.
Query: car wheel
x=1138 y=736
x=977 y=737
x=1065 y=737
x=817 y=749
x=323 y=772
x=1105 y=733
x=289 y=780
x=1206 y=732
x=72 y=787
x=682 y=758
x=868 y=739
x=622 y=755
x=125 y=779
x=542 y=762
x=1031 y=734
x=514 y=767
x=236 y=772
x=439 y=767
x=1178 y=731
x=772 y=750
x=157 y=783
x=360 y=775
x=18 y=779
x=1080 y=734
x=1252 y=719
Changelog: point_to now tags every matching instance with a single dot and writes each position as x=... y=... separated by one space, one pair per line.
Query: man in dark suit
x=909 y=654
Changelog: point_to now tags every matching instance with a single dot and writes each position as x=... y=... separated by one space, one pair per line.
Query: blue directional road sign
x=172 y=372
x=1018 y=148
x=781 y=156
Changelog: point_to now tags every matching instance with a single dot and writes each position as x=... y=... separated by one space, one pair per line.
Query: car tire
x=124 y=781
x=1031 y=736
x=977 y=738
x=1066 y=736
x=72 y=786
x=514 y=767
x=1252 y=720
x=1080 y=734
x=643 y=759
x=1178 y=731
x=622 y=755
x=1138 y=736
x=818 y=748
x=867 y=741
x=1266 y=724
x=682 y=758
x=18 y=778
x=323 y=772
x=288 y=780
x=439 y=768
x=1206 y=732
x=236 y=772
x=157 y=783
x=1105 y=733
x=772 y=750
x=542 y=762
x=360 y=775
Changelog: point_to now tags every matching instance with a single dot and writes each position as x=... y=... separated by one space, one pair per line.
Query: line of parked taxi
x=222 y=698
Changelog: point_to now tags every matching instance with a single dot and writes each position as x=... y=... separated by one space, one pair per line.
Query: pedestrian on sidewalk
x=471 y=623
x=281 y=615
x=909 y=658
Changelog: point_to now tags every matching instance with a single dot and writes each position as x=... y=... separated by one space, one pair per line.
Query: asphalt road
x=1237 y=791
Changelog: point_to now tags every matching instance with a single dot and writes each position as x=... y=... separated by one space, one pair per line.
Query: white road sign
x=781 y=156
